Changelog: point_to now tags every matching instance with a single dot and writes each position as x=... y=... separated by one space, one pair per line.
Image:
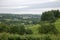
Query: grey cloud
x=46 y=5
x=34 y=6
x=40 y=6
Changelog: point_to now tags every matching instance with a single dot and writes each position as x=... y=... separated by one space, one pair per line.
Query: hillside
x=30 y=27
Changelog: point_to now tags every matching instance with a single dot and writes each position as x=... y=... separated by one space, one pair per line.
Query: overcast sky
x=28 y=6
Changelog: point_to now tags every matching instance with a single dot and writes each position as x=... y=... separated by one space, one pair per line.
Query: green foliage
x=56 y=13
x=47 y=38
x=14 y=38
x=47 y=16
x=3 y=36
x=29 y=31
x=57 y=24
x=50 y=16
x=4 y=28
x=45 y=29
x=12 y=29
x=21 y=29
x=18 y=29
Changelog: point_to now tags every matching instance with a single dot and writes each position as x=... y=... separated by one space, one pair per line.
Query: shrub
x=28 y=31
x=45 y=29
x=47 y=38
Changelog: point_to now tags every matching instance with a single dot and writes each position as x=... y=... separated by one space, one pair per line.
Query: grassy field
x=34 y=28
x=57 y=24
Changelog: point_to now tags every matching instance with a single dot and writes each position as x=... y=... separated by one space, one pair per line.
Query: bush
x=47 y=38
x=45 y=29
x=17 y=29
x=14 y=38
x=28 y=31
x=21 y=30
x=4 y=27
x=32 y=38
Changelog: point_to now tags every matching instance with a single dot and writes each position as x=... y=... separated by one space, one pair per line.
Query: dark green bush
x=28 y=31
x=45 y=29
x=47 y=38
x=14 y=38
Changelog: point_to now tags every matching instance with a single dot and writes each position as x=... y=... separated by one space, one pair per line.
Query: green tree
x=17 y=29
x=50 y=16
x=47 y=16
x=56 y=13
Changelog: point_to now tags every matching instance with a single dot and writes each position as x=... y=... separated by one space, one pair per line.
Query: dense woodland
x=45 y=26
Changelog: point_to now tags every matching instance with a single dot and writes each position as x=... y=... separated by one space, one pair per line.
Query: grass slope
x=34 y=28
x=57 y=24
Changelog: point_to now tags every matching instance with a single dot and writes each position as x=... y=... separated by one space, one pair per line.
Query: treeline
x=50 y=16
